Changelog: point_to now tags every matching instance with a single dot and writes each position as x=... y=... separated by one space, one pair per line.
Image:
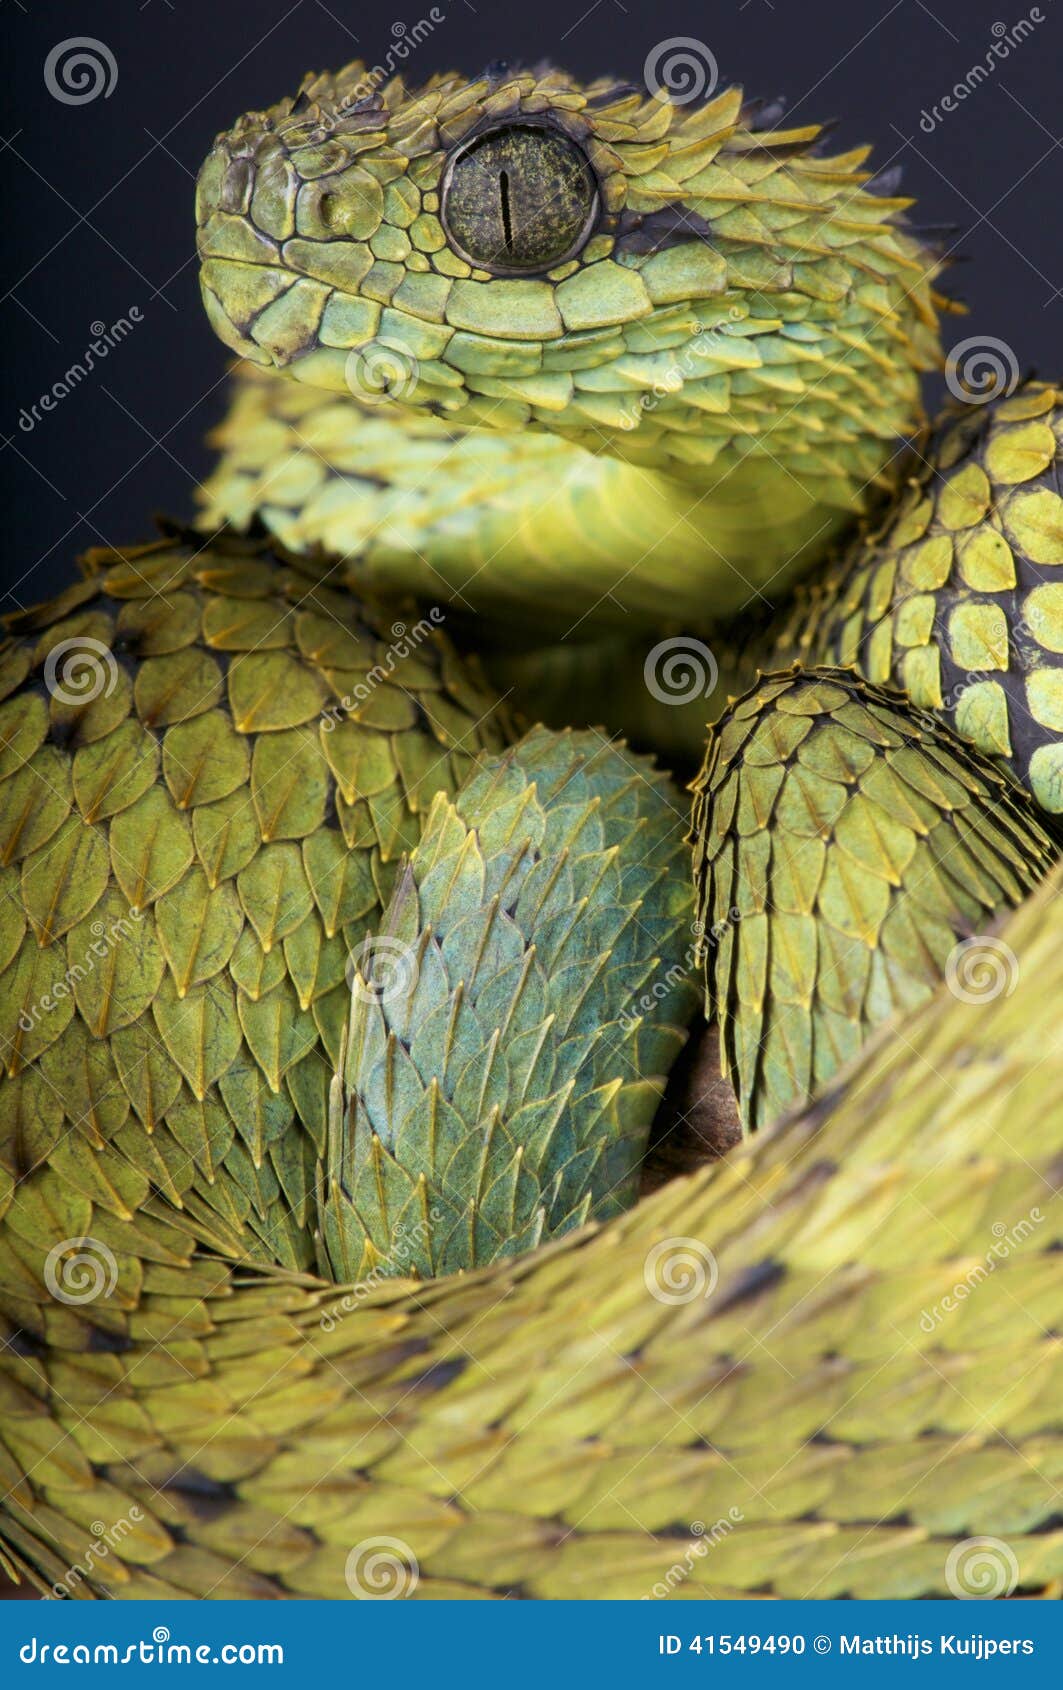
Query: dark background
x=98 y=201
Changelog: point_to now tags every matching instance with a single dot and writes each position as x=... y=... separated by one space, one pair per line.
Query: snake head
x=654 y=278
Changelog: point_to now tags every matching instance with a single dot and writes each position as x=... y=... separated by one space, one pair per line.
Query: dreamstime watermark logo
x=661 y=989
x=404 y=642
x=106 y=1538
x=381 y=1569
x=703 y=1538
x=404 y=1245
x=143 y=1653
x=381 y=969
x=980 y=369
x=104 y=938
x=981 y=969
x=80 y=69
x=706 y=937
x=680 y=1270
x=79 y=670
x=1006 y=1239
x=1025 y=652
x=666 y=984
x=681 y=69
x=404 y=40
x=104 y=340
x=704 y=343
x=78 y=1270
x=951 y=696
x=680 y=669
x=382 y=371
x=1004 y=40
x=981 y=1568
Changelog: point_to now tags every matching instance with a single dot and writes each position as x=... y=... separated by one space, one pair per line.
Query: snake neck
x=491 y=523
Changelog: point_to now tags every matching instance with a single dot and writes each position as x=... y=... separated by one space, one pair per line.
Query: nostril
x=326 y=206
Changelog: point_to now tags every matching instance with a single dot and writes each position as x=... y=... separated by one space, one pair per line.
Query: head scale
x=659 y=280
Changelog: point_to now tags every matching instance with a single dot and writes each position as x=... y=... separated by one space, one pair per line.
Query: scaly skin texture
x=498 y=1086
x=949 y=593
x=549 y=1428
x=212 y=766
x=953 y=595
x=844 y=848
x=192 y=848
x=732 y=359
x=780 y=1347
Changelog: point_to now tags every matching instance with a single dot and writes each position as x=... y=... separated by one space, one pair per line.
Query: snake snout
x=242 y=270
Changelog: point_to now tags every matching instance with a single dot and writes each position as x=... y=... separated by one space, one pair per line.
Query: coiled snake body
x=335 y=1008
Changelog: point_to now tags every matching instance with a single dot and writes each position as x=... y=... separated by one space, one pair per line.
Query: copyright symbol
x=822 y=1645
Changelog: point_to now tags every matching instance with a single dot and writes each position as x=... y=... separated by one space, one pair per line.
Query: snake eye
x=519 y=198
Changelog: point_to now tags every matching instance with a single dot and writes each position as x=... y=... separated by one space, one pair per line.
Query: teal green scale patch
x=513 y=1021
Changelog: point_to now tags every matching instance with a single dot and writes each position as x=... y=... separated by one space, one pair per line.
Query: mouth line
x=203 y=254
x=573 y=340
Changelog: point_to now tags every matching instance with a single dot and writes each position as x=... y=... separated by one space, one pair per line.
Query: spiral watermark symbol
x=106 y=1538
x=381 y=969
x=80 y=69
x=704 y=1536
x=981 y=1568
x=680 y=1270
x=381 y=1568
x=404 y=642
x=681 y=69
x=380 y=371
x=680 y=669
x=980 y=969
x=980 y=369
x=78 y=1270
x=79 y=670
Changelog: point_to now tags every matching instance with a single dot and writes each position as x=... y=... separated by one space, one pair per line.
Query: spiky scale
x=701 y=360
x=890 y=884
x=981 y=524
x=152 y=858
x=516 y=908
x=858 y=1444
x=527 y=1468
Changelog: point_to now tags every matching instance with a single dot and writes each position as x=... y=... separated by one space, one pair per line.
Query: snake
x=437 y=1157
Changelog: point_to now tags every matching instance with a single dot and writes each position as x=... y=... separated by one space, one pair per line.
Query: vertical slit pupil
x=507 y=227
